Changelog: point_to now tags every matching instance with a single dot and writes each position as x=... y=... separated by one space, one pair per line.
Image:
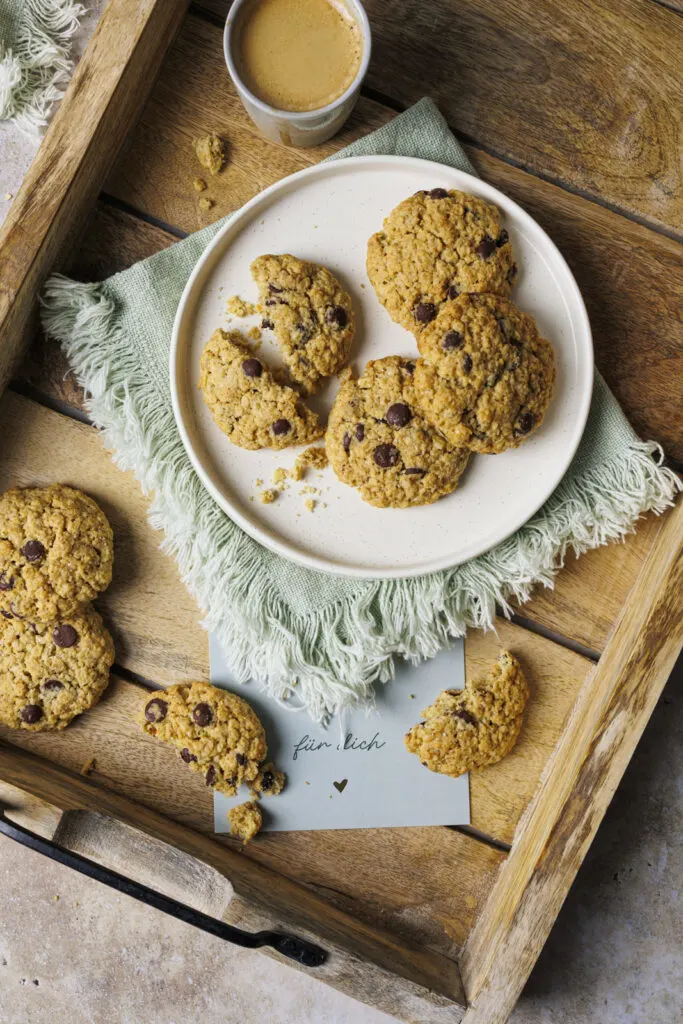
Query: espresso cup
x=297 y=128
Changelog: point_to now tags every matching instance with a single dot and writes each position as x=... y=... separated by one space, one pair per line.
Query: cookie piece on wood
x=50 y=673
x=471 y=728
x=56 y=551
x=310 y=313
x=245 y=821
x=215 y=732
x=246 y=401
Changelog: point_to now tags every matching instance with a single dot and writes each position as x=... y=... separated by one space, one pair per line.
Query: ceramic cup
x=294 y=128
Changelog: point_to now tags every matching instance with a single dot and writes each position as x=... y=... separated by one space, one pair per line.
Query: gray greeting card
x=356 y=773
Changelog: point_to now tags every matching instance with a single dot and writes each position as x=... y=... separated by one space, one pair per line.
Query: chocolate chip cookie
x=311 y=315
x=471 y=728
x=245 y=820
x=215 y=732
x=433 y=246
x=269 y=781
x=246 y=401
x=51 y=673
x=379 y=441
x=487 y=376
x=56 y=551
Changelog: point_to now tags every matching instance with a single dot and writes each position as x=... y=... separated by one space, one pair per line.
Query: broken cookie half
x=474 y=727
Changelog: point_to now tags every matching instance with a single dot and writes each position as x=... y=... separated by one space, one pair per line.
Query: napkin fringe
x=35 y=70
x=332 y=658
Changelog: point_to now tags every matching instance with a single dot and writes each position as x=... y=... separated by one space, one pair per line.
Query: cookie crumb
x=268 y=782
x=254 y=333
x=245 y=820
x=313 y=458
x=258 y=482
x=89 y=766
x=205 y=203
x=309 y=490
x=199 y=184
x=8 y=196
x=310 y=504
x=269 y=496
x=280 y=475
x=236 y=306
x=345 y=375
x=210 y=150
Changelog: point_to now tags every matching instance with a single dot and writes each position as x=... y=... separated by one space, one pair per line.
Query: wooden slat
x=627 y=272
x=106 y=93
x=585 y=94
x=291 y=905
x=582 y=775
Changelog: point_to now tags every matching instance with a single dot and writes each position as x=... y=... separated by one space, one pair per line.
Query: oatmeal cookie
x=311 y=315
x=245 y=821
x=56 y=551
x=269 y=781
x=487 y=376
x=51 y=673
x=216 y=732
x=378 y=440
x=245 y=400
x=434 y=246
x=471 y=728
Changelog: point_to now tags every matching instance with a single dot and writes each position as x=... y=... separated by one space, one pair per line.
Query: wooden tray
x=432 y=924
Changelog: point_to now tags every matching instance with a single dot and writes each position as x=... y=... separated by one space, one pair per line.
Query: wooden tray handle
x=300 y=950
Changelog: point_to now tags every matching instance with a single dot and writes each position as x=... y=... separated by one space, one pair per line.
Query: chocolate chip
x=424 y=312
x=187 y=756
x=275 y=289
x=211 y=776
x=453 y=339
x=503 y=237
x=270 y=302
x=281 y=427
x=64 y=635
x=252 y=368
x=13 y=609
x=31 y=714
x=504 y=327
x=360 y=431
x=346 y=442
x=453 y=292
x=465 y=716
x=467 y=362
x=409 y=367
x=33 y=551
x=305 y=332
x=486 y=247
x=398 y=414
x=267 y=325
x=7 y=615
x=202 y=714
x=52 y=685
x=156 y=710
x=438 y=193
x=414 y=471
x=241 y=759
x=337 y=315
x=385 y=455
x=267 y=781
x=512 y=273
x=5 y=582
x=525 y=424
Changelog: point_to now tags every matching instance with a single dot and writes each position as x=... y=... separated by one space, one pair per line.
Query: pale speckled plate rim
x=470 y=183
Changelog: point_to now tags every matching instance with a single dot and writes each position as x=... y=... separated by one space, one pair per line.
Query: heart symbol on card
x=341 y=786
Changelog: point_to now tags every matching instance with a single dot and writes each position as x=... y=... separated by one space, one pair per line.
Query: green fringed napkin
x=277 y=621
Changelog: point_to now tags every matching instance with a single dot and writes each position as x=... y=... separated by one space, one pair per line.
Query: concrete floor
x=71 y=950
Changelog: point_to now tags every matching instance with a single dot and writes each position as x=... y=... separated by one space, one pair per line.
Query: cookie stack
x=56 y=553
x=443 y=268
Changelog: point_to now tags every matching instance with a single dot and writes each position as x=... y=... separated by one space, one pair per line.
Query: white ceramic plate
x=326 y=214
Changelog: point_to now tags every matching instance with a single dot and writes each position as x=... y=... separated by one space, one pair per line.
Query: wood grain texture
x=106 y=93
x=582 y=93
x=582 y=775
x=262 y=896
x=629 y=275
